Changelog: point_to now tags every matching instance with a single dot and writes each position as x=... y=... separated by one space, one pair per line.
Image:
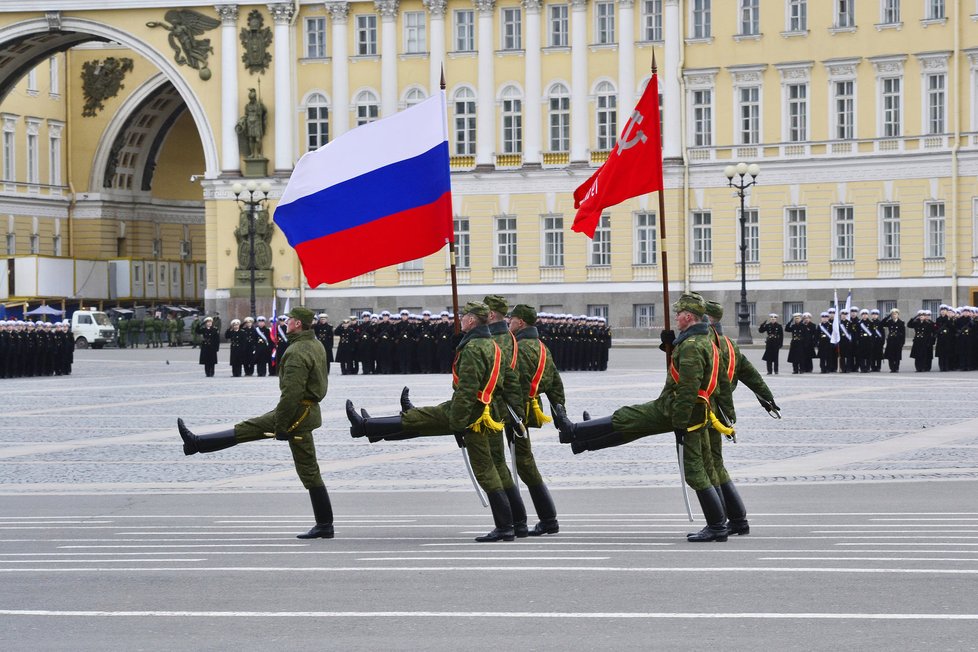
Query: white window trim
x=794 y=74
x=889 y=67
x=834 y=233
x=305 y=37
x=653 y=226
x=423 y=29
x=496 y=233
x=502 y=29
x=703 y=79
x=787 y=237
x=691 y=22
x=927 y=235
x=879 y=231
x=543 y=241
x=935 y=63
x=841 y=70
x=747 y=77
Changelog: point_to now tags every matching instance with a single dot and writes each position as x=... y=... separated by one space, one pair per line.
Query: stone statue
x=255 y=40
x=251 y=127
x=263 y=239
x=185 y=26
x=102 y=80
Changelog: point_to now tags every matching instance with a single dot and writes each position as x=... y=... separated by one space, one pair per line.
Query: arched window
x=559 y=116
x=464 y=122
x=606 y=114
x=317 y=122
x=368 y=108
x=414 y=96
x=512 y=120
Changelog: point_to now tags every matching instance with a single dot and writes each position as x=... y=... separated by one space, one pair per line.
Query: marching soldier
x=924 y=334
x=210 y=343
x=476 y=376
x=302 y=383
x=773 y=342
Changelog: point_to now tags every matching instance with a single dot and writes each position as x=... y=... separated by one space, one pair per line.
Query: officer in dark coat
x=845 y=342
x=235 y=337
x=384 y=331
x=324 y=333
x=210 y=342
x=281 y=342
x=945 y=337
x=444 y=343
x=924 y=335
x=865 y=337
x=425 y=330
x=346 y=349
x=879 y=340
x=826 y=349
x=263 y=346
x=250 y=337
x=964 y=326
x=773 y=342
x=896 y=337
x=798 y=349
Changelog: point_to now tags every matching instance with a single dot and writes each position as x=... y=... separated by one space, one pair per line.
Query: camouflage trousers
x=485 y=451
x=302 y=446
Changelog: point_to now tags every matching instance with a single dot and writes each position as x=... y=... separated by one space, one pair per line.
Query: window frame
x=843 y=233
x=366 y=34
x=552 y=240
x=315 y=37
x=701 y=240
x=796 y=234
x=506 y=242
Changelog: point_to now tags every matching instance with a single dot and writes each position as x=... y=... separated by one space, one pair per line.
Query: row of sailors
x=35 y=348
x=254 y=347
x=381 y=344
x=866 y=339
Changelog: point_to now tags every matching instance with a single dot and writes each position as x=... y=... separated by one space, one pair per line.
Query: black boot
x=406 y=403
x=323 y=511
x=715 y=529
x=736 y=512
x=363 y=425
x=502 y=514
x=589 y=429
x=546 y=511
x=205 y=443
x=519 y=511
x=607 y=441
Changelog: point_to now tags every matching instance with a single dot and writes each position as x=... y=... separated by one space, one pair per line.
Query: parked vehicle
x=91 y=327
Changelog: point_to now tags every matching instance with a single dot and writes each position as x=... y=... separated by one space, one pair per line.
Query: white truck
x=91 y=327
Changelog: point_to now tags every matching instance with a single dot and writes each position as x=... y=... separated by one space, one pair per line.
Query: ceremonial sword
x=682 y=478
x=512 y=445
x=459 y=439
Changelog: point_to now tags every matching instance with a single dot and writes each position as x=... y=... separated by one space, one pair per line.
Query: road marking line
x=517 y=569
x=502 y=552
x=863 y=559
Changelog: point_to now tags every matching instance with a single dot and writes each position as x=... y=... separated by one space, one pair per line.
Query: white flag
x=834 y=339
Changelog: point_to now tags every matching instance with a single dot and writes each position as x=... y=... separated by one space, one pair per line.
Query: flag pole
x=662 y=248
x=450 y=241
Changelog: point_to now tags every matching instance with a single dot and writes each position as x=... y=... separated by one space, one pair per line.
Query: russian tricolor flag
x=376 y=196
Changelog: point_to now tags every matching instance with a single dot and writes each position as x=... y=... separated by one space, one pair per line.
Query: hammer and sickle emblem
x=640 y=136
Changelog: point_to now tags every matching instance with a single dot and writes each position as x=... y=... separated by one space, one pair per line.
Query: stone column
x=579 y=89
x=284 y=109
x=669 y=83
x=626 y=61
x=230 y=156
x=532 y=132
x=338 y=14
x=388 y=55
x=436 y=44
x=485 y=121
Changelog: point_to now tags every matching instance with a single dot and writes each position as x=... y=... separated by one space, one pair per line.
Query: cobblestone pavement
x=110 y=427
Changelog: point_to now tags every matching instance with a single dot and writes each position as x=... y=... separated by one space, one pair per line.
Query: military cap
x=261 y=317
x=304 y=315
x=496 y=303
x=773 y=314
x=248 y=319
x=863 y=312
x=385 y=313
x=208 y=318
x=714 y=309
x=690 y=302
x=322 y=315
x=524 y=312
x=426 y=312
x=405 y=312
x=443 y=313
x=895 y=310
x=824 y=314
x=874 y=311
x=365 y=313
x=282 y=317
x=235 y=321
x=476 y=308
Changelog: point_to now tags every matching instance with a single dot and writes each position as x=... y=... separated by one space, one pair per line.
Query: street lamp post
x=741 y=186
x=255 y=198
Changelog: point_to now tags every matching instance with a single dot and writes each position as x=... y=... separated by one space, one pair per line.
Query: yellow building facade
x=862 y=115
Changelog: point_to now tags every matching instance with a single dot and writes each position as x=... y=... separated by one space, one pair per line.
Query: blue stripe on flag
x=385 y=191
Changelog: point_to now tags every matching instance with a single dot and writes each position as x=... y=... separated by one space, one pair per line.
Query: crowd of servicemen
x=409 y=343
x=29 y=348
x=865 y=339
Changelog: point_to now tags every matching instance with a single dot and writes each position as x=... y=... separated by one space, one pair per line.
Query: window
x=464 y=30
x=751 y=312
x=890 y=12
x=934 y=305
x=56 y=245
x=749 y=131
x=606 y=114
x=891 y=106
x=366 y=34
x=843 y=233
x=317 y=122
x=845 y=109
x=789 y=308
x=797 y=113
x=11 y=244
x=316 y=37
x=701 y=19
x=597 y=310
x=464 y=122
x=54 y=157
x=463 y=257
x=54 y=82
x=935 y=10
x=845 y=13
x=414 y=32
x=752 y=236
x=558 y=22
x=559 y=118
x=797 y=235
x=512 y=32
x=885 y=305
x=703 y=118
x=934 y=230
x=506 y=241
x=512 y=121
x=416 y=265
x=35 y=243
x=652 y=20
x=413 y=96
x=797 y=15
x=32 y=82
x=644 y=315
x=9 y=166
x=890 y=231
x=702 y=238
x=368 y=108
x=33 y=167
x=750 y=17
x=936 y=102
x=553 y=241
x=151 y=274
x=601 y=243
x=646 y=245
x=604 y=28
